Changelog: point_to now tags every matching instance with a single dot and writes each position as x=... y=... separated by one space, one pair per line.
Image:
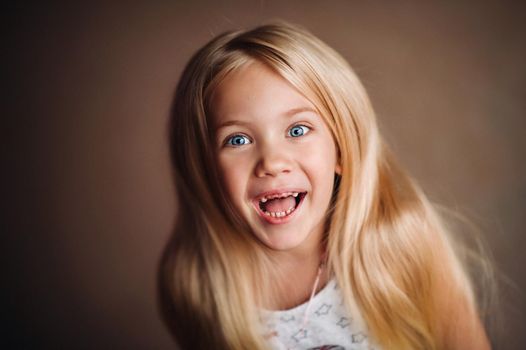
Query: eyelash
x=305 y=130
x=230 y=140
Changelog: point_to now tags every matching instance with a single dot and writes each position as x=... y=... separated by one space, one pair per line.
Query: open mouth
x=280 y=205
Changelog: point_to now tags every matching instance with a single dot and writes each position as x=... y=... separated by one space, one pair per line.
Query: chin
x=283 y=244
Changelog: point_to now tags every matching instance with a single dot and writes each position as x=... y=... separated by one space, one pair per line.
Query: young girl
x=296 y=227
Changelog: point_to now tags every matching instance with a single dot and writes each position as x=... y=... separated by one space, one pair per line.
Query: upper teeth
x=280 y=195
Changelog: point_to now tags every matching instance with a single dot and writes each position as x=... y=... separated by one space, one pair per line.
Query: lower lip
x=283 y=220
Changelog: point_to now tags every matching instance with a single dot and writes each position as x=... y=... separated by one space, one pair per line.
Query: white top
x=329 y=325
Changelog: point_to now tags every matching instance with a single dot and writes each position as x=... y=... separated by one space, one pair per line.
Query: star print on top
x=329 y=325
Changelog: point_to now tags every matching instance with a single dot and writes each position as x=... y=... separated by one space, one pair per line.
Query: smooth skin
x=269 y=137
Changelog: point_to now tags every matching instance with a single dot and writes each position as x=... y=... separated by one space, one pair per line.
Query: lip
x=273 y=220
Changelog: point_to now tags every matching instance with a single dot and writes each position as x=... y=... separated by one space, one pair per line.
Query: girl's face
x=276 y=157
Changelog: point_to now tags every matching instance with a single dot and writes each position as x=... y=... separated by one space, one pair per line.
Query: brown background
x=88 y=190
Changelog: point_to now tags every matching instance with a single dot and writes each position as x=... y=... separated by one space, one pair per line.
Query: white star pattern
x=358 y=337
x=323 y=310
x=344 y=322
x=301 y=334
x=329 y=326
x=287 y=319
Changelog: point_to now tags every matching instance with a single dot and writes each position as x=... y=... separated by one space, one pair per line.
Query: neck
x=295 y=276
x=299 y=261
x=310 y=252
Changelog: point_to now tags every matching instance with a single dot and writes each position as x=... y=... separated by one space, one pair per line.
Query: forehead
x=254 y=90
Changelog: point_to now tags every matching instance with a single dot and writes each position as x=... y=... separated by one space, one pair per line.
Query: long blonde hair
x=387 y=246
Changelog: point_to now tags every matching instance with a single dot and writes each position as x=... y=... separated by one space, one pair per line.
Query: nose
x=272 y=162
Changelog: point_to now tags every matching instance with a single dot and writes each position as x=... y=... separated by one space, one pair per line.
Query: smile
x=279 y=207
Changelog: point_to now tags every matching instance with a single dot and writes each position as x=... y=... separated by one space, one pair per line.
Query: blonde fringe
x=389 y=249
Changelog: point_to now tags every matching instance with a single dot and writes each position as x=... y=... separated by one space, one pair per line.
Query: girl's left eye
x=298 y=130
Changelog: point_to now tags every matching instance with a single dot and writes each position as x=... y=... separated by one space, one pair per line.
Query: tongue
x=280 y=204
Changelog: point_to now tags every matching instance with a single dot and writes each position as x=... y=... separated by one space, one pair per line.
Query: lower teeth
x=280 y=214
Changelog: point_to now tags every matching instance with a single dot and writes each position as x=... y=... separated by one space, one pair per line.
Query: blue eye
x=238 y=140
x=298 y=130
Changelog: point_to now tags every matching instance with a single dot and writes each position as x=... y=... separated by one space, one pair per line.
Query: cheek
x=322 y=163
x=233 y=175
x=320 y=154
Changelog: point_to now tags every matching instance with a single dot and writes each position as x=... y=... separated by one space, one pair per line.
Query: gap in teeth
x=282 y=195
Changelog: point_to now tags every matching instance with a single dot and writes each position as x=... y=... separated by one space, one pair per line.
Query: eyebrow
x=288 y=114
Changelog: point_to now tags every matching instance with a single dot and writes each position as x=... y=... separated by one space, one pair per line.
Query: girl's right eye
x=238 y=140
